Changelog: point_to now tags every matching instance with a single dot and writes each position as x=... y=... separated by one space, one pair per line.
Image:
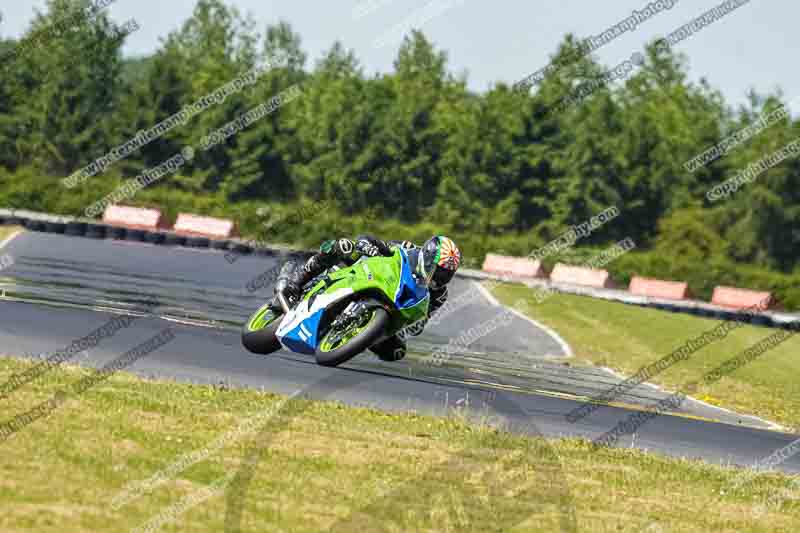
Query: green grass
x=324 y=465
x=626 y=338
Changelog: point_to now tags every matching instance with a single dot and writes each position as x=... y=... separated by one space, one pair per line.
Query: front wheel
x=336 y=347
x=258 y=333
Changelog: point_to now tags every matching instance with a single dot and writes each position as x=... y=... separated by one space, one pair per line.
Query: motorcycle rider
x=434 y=264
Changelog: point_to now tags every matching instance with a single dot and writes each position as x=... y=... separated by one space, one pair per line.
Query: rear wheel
x=258 y=333
x=154 y=237
x=340 y=344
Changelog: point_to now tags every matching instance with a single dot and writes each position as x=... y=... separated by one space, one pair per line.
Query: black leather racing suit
x=348 y=252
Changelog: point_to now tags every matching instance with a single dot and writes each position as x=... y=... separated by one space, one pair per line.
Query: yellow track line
x=579 y=398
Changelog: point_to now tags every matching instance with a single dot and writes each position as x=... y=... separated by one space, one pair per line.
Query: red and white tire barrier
x=132 y=217
x=218 y=228
x=742 y=298
x=513 y=266
x=575 y=275
x=656 y=288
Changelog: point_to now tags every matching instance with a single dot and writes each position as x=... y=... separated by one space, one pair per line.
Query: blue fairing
x=409 y=293
x=303 y=338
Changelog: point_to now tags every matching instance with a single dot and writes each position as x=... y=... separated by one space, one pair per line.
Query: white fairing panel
x=305 y=320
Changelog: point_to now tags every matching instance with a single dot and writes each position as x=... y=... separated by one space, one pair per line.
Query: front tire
x=364 y=338
x=258 y=333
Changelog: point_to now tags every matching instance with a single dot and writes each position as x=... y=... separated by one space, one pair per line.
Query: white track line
x=493 y=301
x=486 y=294
x=555 y=336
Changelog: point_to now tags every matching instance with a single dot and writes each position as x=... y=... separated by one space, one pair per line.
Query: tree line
x=504 y=170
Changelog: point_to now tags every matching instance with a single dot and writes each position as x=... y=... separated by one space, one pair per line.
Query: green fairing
x=381 y=273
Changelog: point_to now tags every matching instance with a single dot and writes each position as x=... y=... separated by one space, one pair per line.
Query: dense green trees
x=504 y=169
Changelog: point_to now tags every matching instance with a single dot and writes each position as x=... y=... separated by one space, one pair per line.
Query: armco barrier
x=587 y=277
x=742 y=298
x=656 y=288
x=132 y=217
x=216 y=228
x=514 y=266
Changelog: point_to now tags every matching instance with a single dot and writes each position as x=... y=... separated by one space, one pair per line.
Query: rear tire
x=135 y=235
x=117 y=233
x=263 y=340
x=198 y=242
x=154 y=237
x=76 y=229
x=170 y=239
x=96 y=231
x=362 y=341
x=54 y=227
x=34 y=225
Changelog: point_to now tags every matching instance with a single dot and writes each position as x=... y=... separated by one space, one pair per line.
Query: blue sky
x=755 y=46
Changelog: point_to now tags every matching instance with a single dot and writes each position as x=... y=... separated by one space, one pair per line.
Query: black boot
x=286 y=284
x=293 y=277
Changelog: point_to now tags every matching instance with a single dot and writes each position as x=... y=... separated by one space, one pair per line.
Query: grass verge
x=627 y=338
x=324 y=465
x=6 y=231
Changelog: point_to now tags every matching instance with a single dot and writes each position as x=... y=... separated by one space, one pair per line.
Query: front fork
x=354 y=311
x=354 y=314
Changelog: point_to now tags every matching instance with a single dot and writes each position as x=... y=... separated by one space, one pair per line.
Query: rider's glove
x=341 y=248
x=364 y=247
x=344 y=248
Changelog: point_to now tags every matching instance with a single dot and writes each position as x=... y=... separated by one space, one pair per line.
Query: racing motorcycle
x=342 y=312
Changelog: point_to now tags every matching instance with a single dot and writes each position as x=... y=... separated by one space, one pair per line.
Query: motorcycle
x=342 y=312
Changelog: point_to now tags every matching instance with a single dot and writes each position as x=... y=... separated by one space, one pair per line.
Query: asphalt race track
x=61 y=288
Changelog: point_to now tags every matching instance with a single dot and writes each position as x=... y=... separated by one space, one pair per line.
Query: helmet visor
x=426 y=264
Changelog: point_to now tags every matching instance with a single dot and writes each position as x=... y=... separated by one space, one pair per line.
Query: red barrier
x=575 y=275
x=656 y=288
x=742 y=298
x=513 y=266
x=206 y=226
x=132 y=217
